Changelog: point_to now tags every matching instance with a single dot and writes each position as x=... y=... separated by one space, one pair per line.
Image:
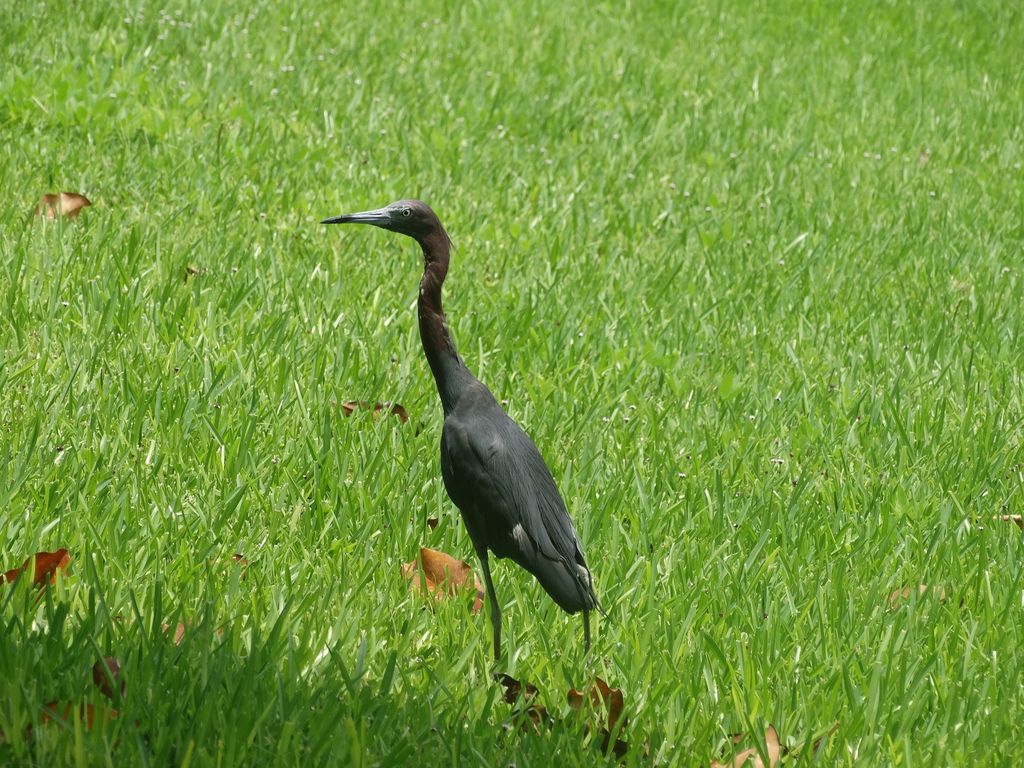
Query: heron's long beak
x=380 y=217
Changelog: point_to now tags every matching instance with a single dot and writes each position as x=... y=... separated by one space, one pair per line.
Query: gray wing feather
x=500 y=473
x=498 y=479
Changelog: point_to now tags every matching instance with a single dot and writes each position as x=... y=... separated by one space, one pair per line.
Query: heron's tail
x=568 y=584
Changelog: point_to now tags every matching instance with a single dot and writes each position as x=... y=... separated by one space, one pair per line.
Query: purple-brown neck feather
x=449 y=371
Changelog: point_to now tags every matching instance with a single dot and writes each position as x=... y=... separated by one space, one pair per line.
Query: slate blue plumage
x=492 y=470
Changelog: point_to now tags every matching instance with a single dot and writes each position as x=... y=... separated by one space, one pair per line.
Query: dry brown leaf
x=751 y=758
x=613 y=701
x=522 y=696
x=899 y=596
x=47 y=565
x=106 y=675
x=186 y=626
x=87 y=713
x=444 y=576
x=514 y=689
x=349 y=407
x=602 y=696
x=65 y=204
x=179 y=631
x=610 y=702
x=393 y=408
x=619 y=748
x=1017 y=519
x=242 y=563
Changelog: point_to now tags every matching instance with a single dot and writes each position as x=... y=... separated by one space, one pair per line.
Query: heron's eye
x=407 y=212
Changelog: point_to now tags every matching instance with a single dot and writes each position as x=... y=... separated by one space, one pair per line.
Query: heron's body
x=508 y=499
x=492 y=470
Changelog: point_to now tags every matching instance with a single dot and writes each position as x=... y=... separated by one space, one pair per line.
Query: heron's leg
x=586 y=630
x=495 y=610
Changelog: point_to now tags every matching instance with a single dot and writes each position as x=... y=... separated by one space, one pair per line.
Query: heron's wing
x=493 y=470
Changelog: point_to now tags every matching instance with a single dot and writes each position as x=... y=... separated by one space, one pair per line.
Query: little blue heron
x=492 y=471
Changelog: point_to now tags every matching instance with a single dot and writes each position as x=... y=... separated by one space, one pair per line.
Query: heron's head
x=408 y=217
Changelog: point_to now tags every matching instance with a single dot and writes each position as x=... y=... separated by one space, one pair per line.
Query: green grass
x=749 y=275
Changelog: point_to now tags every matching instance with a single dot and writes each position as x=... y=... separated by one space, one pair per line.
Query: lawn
x=749 y=274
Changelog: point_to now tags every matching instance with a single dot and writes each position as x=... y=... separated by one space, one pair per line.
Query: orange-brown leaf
x=179 y=631
x=602 y=696
x=242 y=562
x=751 y=758
x=514 y=688
x=186 y=626
x=47 y=565
x=86 y=712
x=899 y=596
x=610 y=703
x=443 y=576
x=537 y=714
x=65 y=204
x=350 y=406
x=619 y=748
x=523 y=697
x=612 y=699
x=106 y=675
x=394 y=408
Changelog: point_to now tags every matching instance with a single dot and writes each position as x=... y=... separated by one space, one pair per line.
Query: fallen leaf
x=106 y=675
x=47 y=565
x=602 y=696
x=186 y=626
x=87 y=712
x=394 y=408
x=349 y=407
x=619 y=748
x=523 y=697
x=444 y=576
x=65 y=204
x=613 y=701
x=242 y=563
x=610 y=702
x=899 y=596
x=1017 y=519
x=514 y=688
x=179 y=631
x=751 y=757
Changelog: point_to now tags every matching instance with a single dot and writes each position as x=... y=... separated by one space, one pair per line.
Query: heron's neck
x=450 y=373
